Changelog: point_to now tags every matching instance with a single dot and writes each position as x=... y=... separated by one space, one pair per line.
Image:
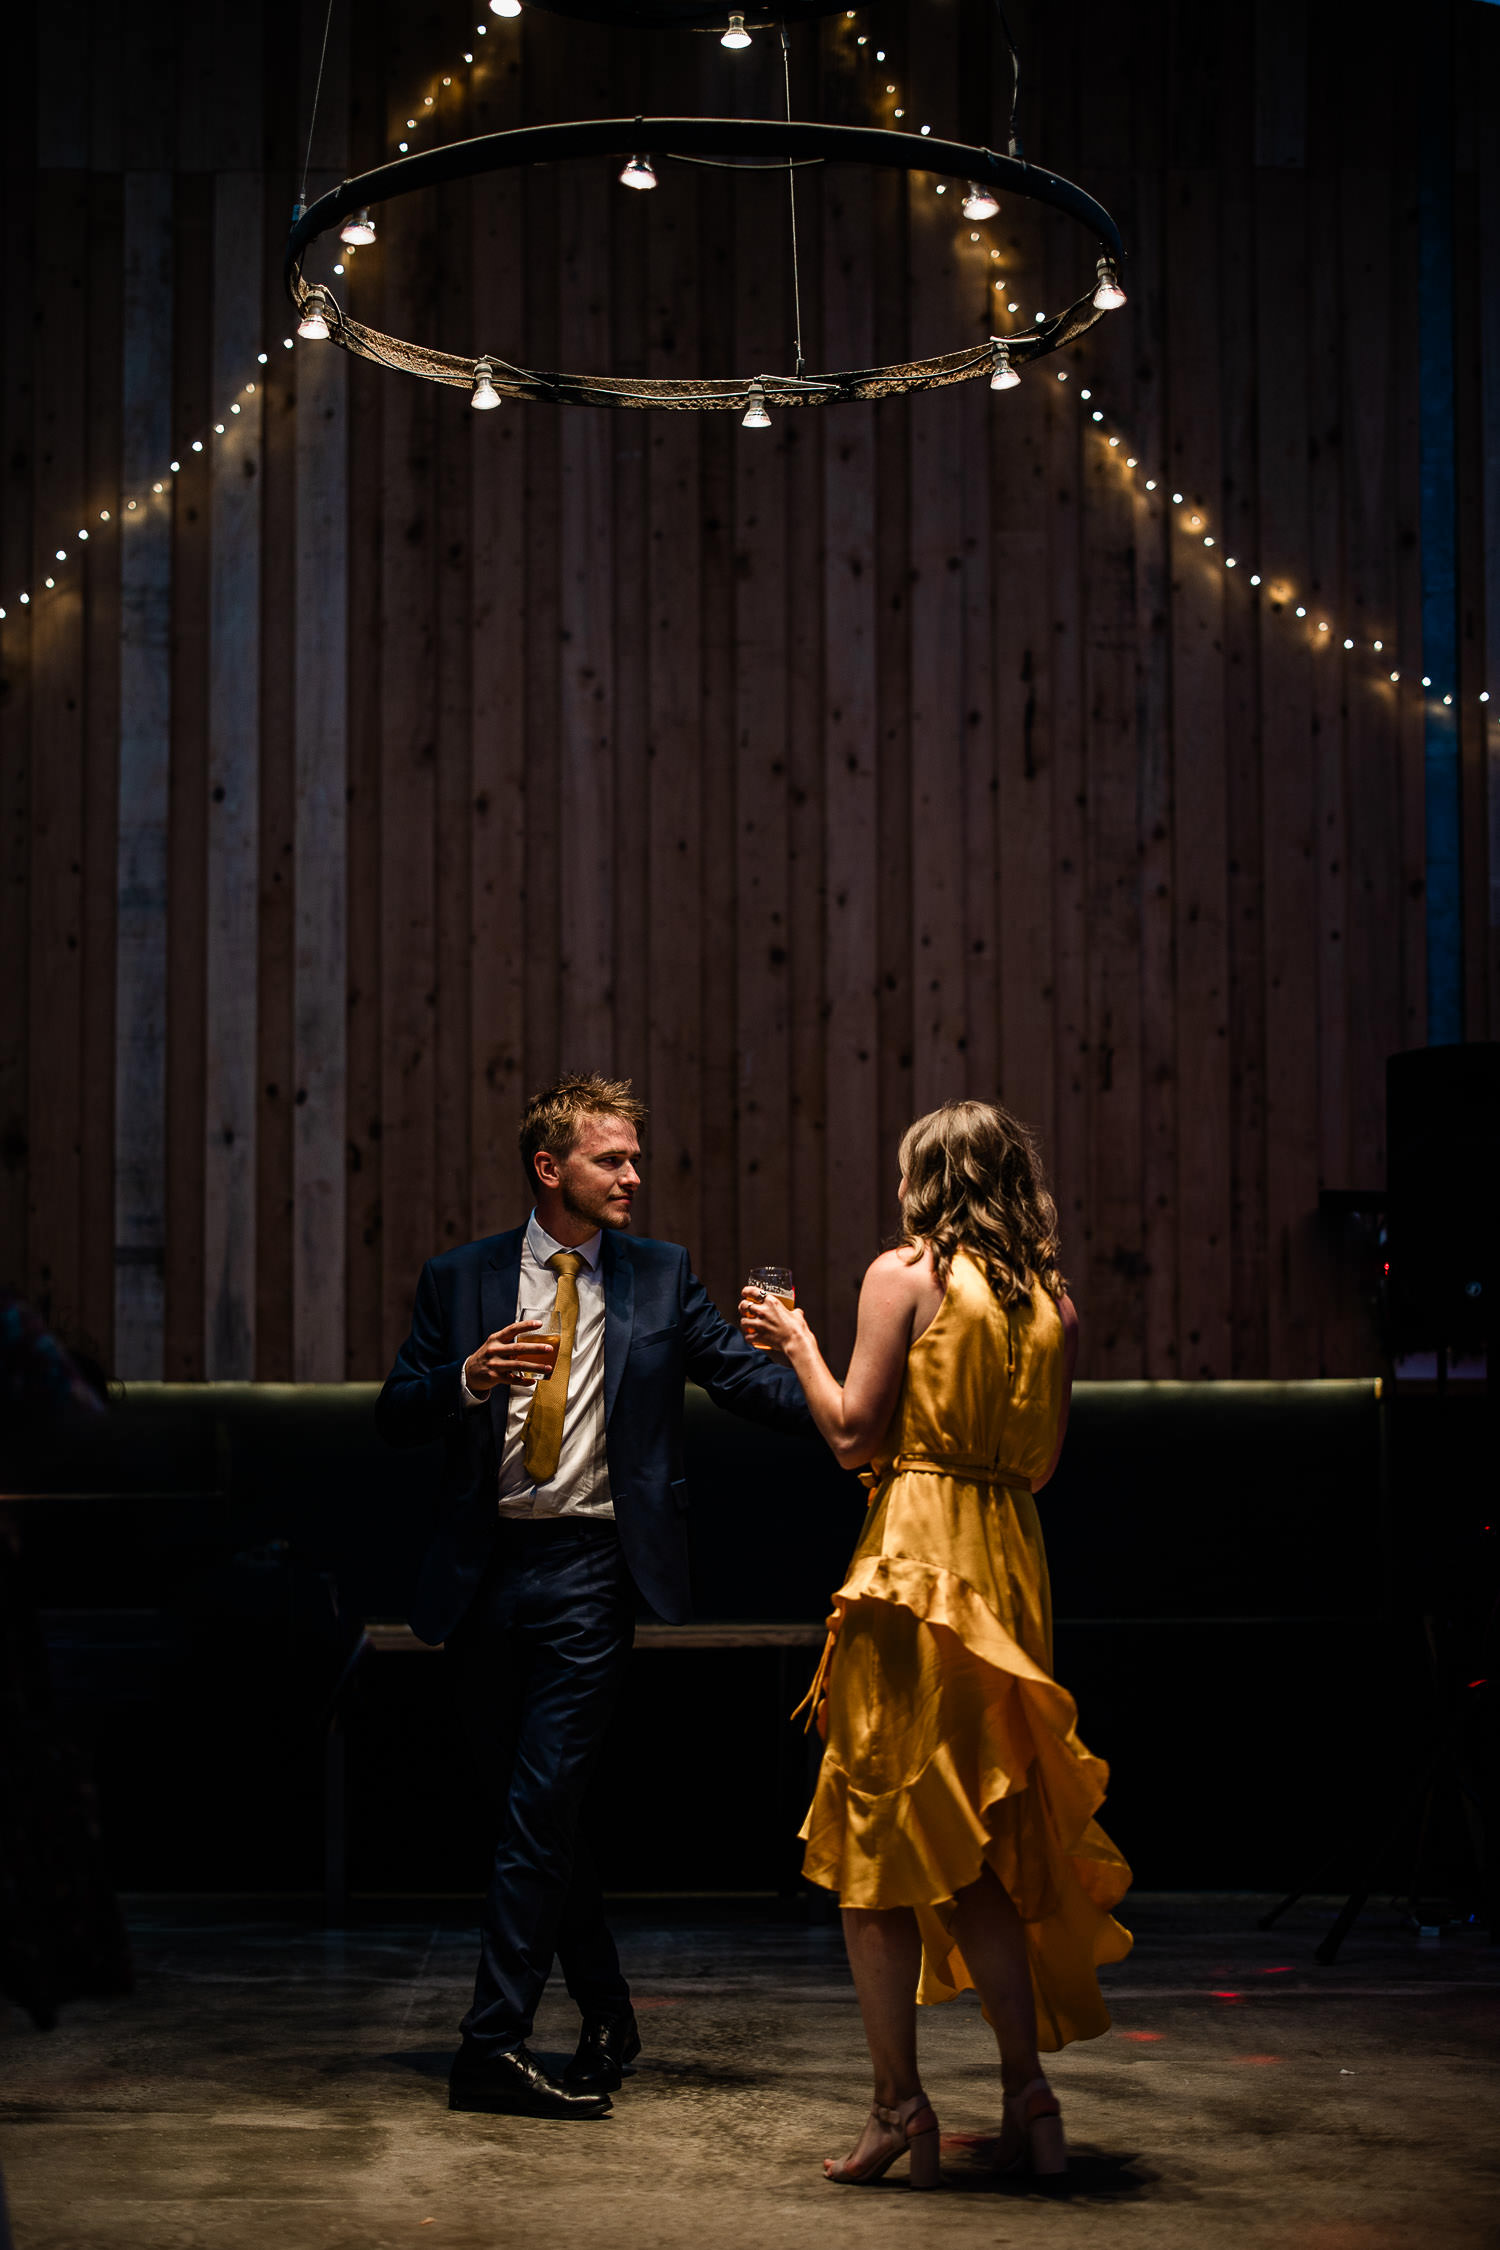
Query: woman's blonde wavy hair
x=974 y=1181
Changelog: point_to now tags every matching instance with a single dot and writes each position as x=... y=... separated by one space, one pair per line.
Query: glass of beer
x=771 y=1281
x=543 y=1339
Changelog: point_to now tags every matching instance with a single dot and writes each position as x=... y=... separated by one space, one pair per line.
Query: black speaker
x=1443 y=1196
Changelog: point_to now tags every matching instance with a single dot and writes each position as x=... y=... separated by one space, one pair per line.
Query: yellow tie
x=544 y=1424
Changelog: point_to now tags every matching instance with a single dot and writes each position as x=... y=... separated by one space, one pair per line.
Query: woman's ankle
x=1016 y=2077
x=891 y=2093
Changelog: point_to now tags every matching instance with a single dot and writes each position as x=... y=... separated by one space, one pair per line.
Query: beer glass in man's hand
x=523 y=1352
x=770 y=1281
x=544 y=1339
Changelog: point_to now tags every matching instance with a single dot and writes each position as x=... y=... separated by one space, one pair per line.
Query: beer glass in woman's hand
x=763 y=1282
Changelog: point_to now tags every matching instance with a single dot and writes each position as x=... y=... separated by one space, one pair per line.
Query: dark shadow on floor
x=1094 y=2175
x=427 y=2062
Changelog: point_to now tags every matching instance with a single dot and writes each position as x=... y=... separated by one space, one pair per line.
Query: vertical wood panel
x=586 y=729
x=102 y=719
x=194 y=407
x=851 y=789
x=1489 y=301
x=459 y=430
x=1200 y=1191
x=320 y=717
x=55 y=1128
x=17 y=481
x=772 y=568
x=407 y=714
x=145 y=750
x=673 y=692
x=233 y=848
x=499 y=660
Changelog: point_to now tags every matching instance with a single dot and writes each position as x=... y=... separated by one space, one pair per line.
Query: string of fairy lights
x=978 y=204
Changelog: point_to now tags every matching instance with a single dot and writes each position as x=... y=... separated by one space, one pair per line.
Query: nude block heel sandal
x=1033 y=2132
x=908 y=2130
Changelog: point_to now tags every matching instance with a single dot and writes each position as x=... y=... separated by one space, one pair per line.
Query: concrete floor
x=272 y=2085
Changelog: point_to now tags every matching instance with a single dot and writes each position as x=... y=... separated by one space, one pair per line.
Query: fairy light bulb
x=638 y=173
x=505 y=7
x=979 y=203
x=1109 y=296
x=1004 y=377
x=485 y=394
x=314 y=322
x=357 y=230
x=755 y=416
x=736 y=36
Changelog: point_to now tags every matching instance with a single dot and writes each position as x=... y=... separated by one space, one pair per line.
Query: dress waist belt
x=967 y=1472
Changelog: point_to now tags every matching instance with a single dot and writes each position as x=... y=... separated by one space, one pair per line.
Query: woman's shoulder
x=905 y=1269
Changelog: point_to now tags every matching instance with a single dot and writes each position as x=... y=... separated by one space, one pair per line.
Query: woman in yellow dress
x=954 y=1812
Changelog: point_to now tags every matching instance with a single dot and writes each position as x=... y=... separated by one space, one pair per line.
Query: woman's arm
x=1069 y=1320
x=852 y=1415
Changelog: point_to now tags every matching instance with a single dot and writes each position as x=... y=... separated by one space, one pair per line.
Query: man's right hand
x=516 y=1353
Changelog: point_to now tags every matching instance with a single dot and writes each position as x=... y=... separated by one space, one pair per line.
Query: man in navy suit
x=562 y=1500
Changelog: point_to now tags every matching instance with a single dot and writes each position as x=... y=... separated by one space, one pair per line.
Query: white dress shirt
x=580 y=1484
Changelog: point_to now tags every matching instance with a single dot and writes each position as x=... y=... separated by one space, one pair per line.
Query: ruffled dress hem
x=1025 y=1808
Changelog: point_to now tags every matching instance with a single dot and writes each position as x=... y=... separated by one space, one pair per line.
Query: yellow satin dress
x=949 y=1742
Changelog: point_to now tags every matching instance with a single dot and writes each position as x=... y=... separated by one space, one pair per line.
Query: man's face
x=598 y=1179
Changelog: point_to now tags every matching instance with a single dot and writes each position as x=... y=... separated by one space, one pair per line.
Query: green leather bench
x=1217 y=1552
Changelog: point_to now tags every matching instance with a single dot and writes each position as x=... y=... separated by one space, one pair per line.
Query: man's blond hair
x=553 y=1117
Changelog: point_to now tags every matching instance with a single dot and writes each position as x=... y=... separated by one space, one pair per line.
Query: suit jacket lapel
x=619 y=1314
x=499 y=1290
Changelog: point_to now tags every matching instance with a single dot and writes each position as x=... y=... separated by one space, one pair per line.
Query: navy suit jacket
x=660 y=1327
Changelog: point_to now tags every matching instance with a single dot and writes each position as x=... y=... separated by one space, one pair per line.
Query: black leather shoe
x=605 y=2045
x=515 y=2085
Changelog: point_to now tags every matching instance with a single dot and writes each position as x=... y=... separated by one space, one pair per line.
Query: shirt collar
x=542 y=1247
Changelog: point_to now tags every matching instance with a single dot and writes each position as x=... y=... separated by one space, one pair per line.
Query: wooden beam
x=145 y=745
x=233 y=847
x=320 y=736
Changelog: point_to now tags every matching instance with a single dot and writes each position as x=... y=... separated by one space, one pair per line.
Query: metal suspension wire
x=1015 y=77
x=791 y=196
x=312 y=122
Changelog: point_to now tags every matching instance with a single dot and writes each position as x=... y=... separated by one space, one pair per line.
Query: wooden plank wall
x=394 y=756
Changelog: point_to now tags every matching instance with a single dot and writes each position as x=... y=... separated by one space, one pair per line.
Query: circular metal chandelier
x=734 y=143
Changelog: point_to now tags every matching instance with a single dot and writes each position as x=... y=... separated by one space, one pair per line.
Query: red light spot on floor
x=1285 y=1970
x=1140 y=2037
x=1226 y=1996
x=636 y=2003
x=1480 y=1683
x=1260 y=2058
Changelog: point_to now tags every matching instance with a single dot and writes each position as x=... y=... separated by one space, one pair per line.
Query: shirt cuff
x=469 y=1398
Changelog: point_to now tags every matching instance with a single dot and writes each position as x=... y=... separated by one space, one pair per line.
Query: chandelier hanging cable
x=791 y=198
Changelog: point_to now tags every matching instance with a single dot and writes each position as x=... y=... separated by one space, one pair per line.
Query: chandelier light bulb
x=1005 y=377
x=357 y=230
x=638 y=173
x=736 y=36
x=1109 y=296
x=755 y=416
x=485 y=394
x=314 y=322
x=979 y=203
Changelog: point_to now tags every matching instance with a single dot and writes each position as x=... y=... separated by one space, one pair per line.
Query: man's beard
x=611 y=1216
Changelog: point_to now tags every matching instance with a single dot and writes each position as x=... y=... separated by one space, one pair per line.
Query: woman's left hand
x=769 y=1323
